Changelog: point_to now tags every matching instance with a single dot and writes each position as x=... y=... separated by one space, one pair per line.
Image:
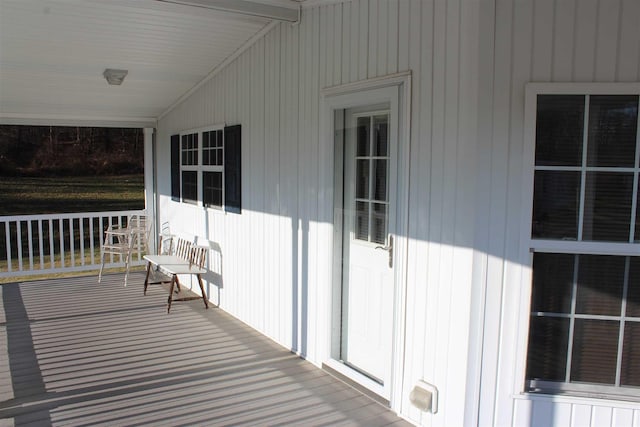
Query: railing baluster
x=51 y=245
x=19 y=241
x=30 y=243
x=81 y=239
x=8 y=240
x=41 y=243
x=61 y=228
x=91 y=243
x=72 y=244
x=101 y=224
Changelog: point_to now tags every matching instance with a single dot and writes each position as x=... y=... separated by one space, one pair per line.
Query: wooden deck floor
x=75 y=352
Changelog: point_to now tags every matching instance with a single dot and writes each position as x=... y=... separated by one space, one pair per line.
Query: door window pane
x=362 y=221
x=556 y=201
x=552 y=282
x=607 y=210
x=600 y=284
x=379 y=223
x=362 y=130
x=381 y=136
x=596 y=351
x=362 y=178
x=380 y=180
x=548 y=345
x=559 y=130
x=612 y=130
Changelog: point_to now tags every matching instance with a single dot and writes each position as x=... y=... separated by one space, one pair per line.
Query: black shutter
x=232 y=169
x=175 y=167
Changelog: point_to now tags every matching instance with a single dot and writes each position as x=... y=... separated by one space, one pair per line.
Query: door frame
x=372 y=91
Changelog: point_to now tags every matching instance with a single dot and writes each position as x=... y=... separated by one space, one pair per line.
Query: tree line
x=38 y=151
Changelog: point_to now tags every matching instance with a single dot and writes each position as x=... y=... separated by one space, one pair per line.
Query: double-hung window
x=584 y=324
x=213 y=168
x=189 y=162
x=206 y=167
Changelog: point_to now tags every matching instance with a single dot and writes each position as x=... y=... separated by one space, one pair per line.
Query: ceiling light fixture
x=115 y=77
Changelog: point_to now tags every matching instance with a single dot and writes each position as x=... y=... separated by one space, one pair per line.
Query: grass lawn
x=30 y=196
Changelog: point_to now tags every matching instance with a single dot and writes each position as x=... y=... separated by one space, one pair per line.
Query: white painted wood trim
x=342 y=96
x=73 y=120
x=397 y=79
x=246 y=7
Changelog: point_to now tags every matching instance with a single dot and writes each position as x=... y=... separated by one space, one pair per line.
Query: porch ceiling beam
x=245 y=7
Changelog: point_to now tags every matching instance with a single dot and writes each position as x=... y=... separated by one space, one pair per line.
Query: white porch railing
x=57 y=243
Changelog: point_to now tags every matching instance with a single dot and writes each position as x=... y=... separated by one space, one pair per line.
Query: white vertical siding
x=275 y=253
x=544 y=41
x=470 y=61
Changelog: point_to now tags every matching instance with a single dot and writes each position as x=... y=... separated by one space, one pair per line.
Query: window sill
x=623 y=402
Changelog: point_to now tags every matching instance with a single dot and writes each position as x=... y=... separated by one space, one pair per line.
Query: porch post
x=149 y=185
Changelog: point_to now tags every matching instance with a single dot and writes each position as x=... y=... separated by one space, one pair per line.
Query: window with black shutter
x=206 y=167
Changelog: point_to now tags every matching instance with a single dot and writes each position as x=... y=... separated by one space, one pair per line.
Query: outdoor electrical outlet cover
x=424 y=396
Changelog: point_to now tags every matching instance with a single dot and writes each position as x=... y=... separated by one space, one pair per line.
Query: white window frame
x=200 y=168
x=531 y=245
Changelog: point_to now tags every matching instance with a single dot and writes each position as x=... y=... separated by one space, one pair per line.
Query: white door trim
x=345 y=96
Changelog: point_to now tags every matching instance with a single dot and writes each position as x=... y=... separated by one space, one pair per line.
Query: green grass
x=32 y=196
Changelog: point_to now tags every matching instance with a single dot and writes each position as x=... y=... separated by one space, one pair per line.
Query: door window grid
x=372 y=163
x=627 y=325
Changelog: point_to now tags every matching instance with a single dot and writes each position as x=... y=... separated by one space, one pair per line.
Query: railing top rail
x=11 y=218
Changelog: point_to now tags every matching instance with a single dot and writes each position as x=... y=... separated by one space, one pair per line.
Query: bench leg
x=204 y=295
x=173 y=282
x=146 y=280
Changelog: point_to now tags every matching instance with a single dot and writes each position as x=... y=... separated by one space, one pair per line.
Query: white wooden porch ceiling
x=53 y=54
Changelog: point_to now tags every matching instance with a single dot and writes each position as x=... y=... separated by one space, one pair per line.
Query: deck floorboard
x=74 y=352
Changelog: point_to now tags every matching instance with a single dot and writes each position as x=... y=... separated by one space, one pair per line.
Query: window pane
x=600 y=284
x=379 y=223
x=548 y=344
x=612 y=130
x=559 y=130
x=636 y=238
x=552 y=282
x=595 y=351
x=556 y=198
x=633 y=293
x=380 y=180
x=212 y=189
x=362 y=221
x=607 y=210
x=189 y=186
x=630 y=374
x=362 y=179
x=381 y=136
x=363 y=137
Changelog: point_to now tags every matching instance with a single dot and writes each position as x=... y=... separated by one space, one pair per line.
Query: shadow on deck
x=75 y=352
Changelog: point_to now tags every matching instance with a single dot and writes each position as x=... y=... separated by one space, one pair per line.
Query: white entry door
x=369 y=182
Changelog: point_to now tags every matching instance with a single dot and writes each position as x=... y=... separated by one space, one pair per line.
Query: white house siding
x=464 y=232
x=539 y=41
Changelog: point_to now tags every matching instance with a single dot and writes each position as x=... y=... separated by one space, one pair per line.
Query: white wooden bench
x=183 y=257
